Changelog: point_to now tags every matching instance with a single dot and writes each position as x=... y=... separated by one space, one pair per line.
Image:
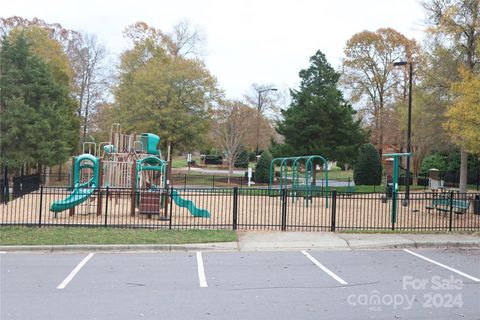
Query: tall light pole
x=409 y=128
x=259 y=109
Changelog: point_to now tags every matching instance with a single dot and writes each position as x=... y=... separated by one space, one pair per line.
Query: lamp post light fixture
x=259 y=108
x=409 y=126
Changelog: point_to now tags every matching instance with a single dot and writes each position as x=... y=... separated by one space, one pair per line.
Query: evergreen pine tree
x=368 y=167
x=262 y=170
x=38 y=122
x=318 y=120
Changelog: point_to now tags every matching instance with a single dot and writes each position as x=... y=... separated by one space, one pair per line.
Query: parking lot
x=349 y=284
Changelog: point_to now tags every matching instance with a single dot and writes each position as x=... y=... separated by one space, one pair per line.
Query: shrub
x=436 y=161
x=242 y=160
x=368 y=168
x=213 y=159
x=262 y=170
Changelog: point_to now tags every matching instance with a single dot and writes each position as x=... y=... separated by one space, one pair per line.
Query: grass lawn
x=66 y=235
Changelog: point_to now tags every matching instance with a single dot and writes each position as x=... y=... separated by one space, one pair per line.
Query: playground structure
x=296 y=163
x=245 y=208
x=396 y=161
x=127 y=161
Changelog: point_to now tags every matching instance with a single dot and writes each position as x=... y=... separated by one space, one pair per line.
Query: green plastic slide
x=184 y=203
x=78 y=196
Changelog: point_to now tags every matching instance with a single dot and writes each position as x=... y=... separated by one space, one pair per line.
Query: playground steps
x=149 y=203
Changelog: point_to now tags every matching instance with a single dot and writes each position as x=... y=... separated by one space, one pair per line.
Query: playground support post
x=133 y=183
x=71 y=211
x=99 y=187
x=396 y=157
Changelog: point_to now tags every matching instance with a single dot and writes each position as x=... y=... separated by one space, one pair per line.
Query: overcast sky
x=261 y=41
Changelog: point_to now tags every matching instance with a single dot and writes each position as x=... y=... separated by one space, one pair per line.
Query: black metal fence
x=247 y=209
x=25 y=184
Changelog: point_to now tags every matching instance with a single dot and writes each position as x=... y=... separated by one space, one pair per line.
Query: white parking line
x=74 y=271
x=321 y=266
x=443 y=266
x=201 y=271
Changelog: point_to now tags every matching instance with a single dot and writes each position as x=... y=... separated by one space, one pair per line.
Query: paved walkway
x=287 y=241
x=213 y=171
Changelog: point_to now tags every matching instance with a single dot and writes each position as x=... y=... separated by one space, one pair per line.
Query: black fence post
x=334 y=211
x=6 y=185
x=451 y=211
x=185 y=182
x=106 y=207
x=235 y=207
x=21 y=178
x=284 y=209
x=41 y=206
x=170 y=198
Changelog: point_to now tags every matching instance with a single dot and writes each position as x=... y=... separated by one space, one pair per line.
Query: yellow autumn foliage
x=463 y=124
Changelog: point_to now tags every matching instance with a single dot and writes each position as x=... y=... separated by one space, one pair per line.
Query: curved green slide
x=78 y=196
x=81 y=191
x=184 y=203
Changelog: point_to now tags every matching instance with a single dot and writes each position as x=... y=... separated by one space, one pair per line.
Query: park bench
x=443 y=204
x=348 y=192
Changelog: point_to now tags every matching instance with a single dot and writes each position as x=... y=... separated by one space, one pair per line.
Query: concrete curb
x=274 y=242
x=219 y=246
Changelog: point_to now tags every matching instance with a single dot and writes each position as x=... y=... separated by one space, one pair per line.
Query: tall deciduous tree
x=265 y=102
x=91 y=80
x=455 y=27
x=38 y=121
x=229 y=130
x=463 y=116
x=370 y=79
x=163 y=93
x=319 y=121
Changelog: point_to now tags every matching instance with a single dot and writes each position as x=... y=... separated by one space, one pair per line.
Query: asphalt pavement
x=295 y=284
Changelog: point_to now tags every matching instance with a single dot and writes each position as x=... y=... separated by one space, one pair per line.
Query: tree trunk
x=230 y=168
x=463 y=170
x=47 y=175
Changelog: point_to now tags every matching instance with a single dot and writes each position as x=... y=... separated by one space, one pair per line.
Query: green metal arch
x=78 y=166
x=150 y=163
x=295 y=162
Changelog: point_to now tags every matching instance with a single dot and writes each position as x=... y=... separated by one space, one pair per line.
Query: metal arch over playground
x=295 y=163
x=151 y=163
